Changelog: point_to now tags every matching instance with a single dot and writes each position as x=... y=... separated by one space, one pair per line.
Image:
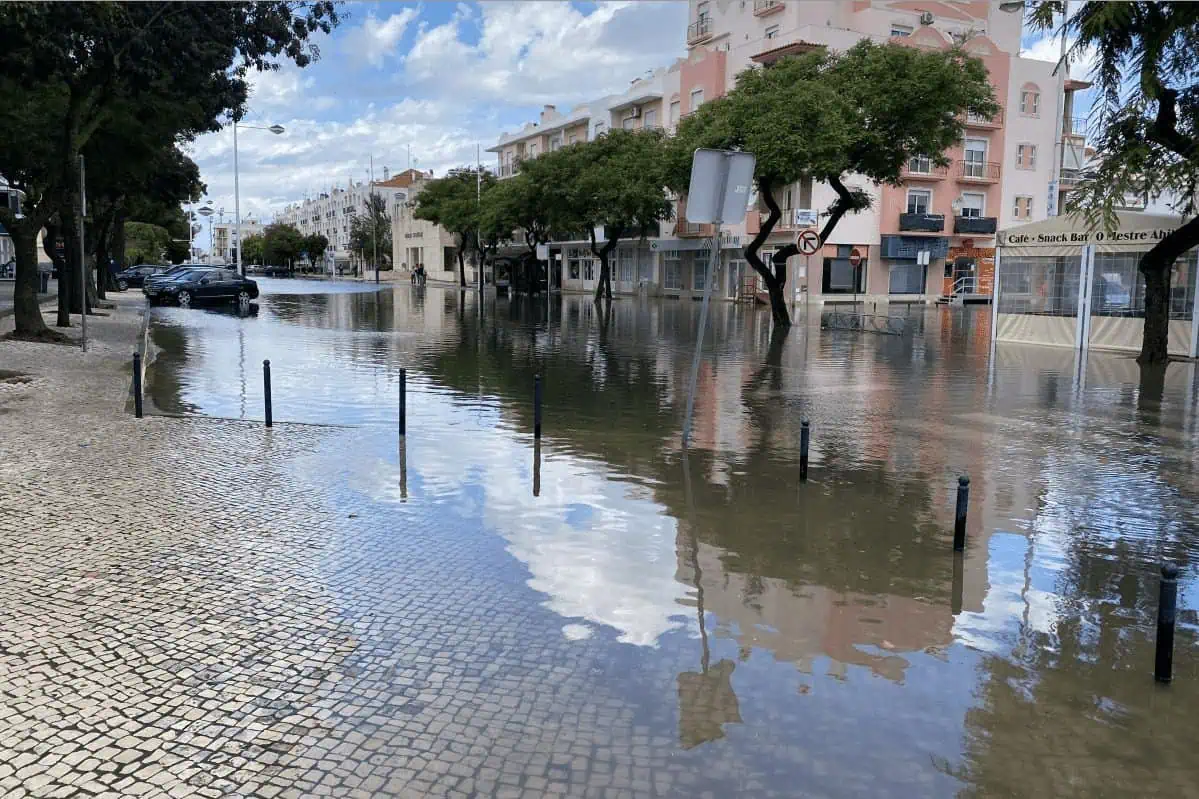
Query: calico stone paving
x=183 y=613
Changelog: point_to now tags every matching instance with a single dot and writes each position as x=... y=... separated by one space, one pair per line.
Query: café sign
x=1148 y=236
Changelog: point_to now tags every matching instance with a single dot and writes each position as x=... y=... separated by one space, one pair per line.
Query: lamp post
x=277 y=130
x=207 y=213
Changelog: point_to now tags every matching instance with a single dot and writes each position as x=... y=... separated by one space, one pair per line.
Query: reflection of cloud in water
x=594 y=545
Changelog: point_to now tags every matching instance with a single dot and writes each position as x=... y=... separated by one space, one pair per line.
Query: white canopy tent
x=1047 y=271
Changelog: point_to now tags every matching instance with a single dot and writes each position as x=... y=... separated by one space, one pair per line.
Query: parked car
x=194 y=286
x=135 y=276
x=163 y=277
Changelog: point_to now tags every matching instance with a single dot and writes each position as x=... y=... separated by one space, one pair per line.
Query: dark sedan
x=194 y=286
x=135 y=276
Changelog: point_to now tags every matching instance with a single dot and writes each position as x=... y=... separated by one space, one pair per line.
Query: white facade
x=329 y=214
x=224 y=238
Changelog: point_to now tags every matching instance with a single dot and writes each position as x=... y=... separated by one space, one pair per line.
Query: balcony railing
x=700 y=30
x=1075 y=126
x=978 y=171
x=685 y=229
x=925 y=223
x=925 y=172
x=978 y=225
x=509 y=169
x=764 y=7
x=976 y=121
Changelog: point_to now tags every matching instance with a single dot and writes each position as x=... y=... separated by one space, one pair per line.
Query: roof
x=403 y=179
x=1073 y=84
x=795 y=48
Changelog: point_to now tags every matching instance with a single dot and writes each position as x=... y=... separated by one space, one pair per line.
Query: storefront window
x=699 y=271
x=625 y=270
x=907 y=278
x=672 y=270
x=1040 y=284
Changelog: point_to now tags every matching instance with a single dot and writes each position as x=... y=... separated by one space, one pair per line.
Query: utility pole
x=82 y=256
x=478 y=212
x=374 y=219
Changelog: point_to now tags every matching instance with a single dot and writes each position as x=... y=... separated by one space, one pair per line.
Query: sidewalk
x=6 y=293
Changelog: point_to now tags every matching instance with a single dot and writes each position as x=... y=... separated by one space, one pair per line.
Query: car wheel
x=122 y=284
x=243 y=298
x=185 y=299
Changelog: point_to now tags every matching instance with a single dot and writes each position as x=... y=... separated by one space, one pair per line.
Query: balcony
x=764 y=7
x=926 y=171
x=923 y=223
x=977 y=225
x=691 y=230
x=976 y=121
x=699 y=31
x=1070 y=177
x=510 y=169
x=978 y=172
x=1075 y=126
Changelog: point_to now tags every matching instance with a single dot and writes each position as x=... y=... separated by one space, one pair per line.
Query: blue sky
x=440 y=78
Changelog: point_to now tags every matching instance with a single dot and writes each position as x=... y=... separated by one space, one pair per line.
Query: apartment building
x=224 y=238
x=417 y=242
x=332 y=212
x=1001 y=173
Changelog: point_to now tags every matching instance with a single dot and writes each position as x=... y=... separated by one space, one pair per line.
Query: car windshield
x=189 y=274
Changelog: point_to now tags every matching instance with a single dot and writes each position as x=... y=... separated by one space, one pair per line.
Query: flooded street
x=705 y=624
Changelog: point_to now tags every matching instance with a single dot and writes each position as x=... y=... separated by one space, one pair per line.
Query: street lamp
x=207 y=213
x=277 y=130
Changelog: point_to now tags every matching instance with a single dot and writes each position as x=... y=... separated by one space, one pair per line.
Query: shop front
x=1062 y=283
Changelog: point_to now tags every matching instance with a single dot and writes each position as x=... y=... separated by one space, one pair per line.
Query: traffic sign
x=808 y=242
x=855 y=257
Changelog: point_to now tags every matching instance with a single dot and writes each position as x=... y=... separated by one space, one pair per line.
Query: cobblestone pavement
x=186 y=611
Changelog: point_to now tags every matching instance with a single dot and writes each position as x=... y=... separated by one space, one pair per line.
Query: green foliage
x=177 y=252
x=455 y=203
x=524 y=204
x=364 y=229
x=253 y=249
x=315 y=245
x=282 y=244
x=145 y=243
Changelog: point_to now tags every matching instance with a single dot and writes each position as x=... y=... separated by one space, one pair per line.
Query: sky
x=424 y=84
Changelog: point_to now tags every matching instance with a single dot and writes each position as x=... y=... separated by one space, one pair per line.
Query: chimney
x=548 y=112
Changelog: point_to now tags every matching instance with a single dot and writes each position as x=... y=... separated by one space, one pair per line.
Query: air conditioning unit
x=926 y=18
x=636 y=113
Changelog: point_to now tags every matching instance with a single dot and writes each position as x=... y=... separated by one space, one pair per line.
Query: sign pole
x=82 y=256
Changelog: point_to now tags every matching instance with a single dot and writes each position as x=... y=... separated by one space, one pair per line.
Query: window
x=674 y=112
x=1030 y=101
x=574 y=262
x=1023 y=209
x=625 y=258
x=697 y=99
x=920 y=165
x=650 y=119
x=976 y=158
x=532 y=151
x=555 y=143
x=919 y=201
x=574 y=137
x=672 y=270
x=702 y=11
x=627 y=123
x=973 y=205
x=901 y=30
x=600 y=127
x=699 y=271
x=772 y=32
x=1026 y=156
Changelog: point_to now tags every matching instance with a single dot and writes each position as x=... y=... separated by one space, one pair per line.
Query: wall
x=1023 y=128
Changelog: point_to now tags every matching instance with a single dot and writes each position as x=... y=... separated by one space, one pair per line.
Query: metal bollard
x=537 y=406
x=266 y=389
x=1167 y=610
x=805 y=435
x=537 y=468
x=137 y=385
x=959 y=521
x=403 y=402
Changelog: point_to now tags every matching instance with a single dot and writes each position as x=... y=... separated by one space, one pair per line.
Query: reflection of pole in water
x=955 y=599
x=537 y=467
x=403 y=468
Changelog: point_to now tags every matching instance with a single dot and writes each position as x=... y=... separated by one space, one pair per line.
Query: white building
x=224 y=238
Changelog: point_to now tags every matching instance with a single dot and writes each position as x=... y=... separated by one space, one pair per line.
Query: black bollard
x=266 y=390
x=1167 y=609
x=137 y=385
x=537 y=468
x=403 y=402
x=956 y=587
x=959 y=521
x=537 y=406
x=403 y=469
x=805 y=435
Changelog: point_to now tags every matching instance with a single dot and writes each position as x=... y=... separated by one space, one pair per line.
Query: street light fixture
x=277 y=130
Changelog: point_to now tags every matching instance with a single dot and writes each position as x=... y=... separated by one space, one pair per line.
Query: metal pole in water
x=805 y=435
x=137 y=385
x=266 y=389
x=403 y=402
x=1167 y=609
x=956 y=587
x=537 y=467
x=537 y=407
x=959 y=522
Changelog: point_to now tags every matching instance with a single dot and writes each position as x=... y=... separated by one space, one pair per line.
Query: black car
x=192 y=286
x=135 y=276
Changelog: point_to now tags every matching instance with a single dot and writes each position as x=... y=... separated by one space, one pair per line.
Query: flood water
x=748 y=634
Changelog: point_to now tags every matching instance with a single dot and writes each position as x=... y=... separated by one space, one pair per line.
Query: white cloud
x=374 y=41
x=1048 y=48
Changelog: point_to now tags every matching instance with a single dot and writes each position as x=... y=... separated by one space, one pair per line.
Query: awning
x=1065 y=235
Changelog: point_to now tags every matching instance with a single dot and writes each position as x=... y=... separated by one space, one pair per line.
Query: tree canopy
x=1146 y=125
x=282 y=244
x=454 y=202
x=370 y=233
x=824 y=115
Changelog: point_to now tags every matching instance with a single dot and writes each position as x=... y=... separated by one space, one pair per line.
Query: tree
x=315 y=245
x=824 y=116
x=370 y=233
x=1148 y=129
x=253 y=249
x=615 y=183
x=454 y=202
x=528 y=205
x=65 y=68
x=282 y=244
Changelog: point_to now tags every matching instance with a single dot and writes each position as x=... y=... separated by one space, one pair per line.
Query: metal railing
x=700 y=29
x=966 y=284
x=766 y=6
x=987 y=171
x=1076 y=126
x=977 y=121
x=863 y=322
x=685 y=228
x=928 y=171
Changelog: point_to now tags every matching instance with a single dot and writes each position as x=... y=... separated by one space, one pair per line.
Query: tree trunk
x=117 y=241
x=461 y=268
x=774 y=285
x=1156 y=266
x=26 y=309
x=603 y=287
x=66 y=283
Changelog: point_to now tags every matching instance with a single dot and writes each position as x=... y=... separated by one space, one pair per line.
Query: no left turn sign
x=808 y=242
